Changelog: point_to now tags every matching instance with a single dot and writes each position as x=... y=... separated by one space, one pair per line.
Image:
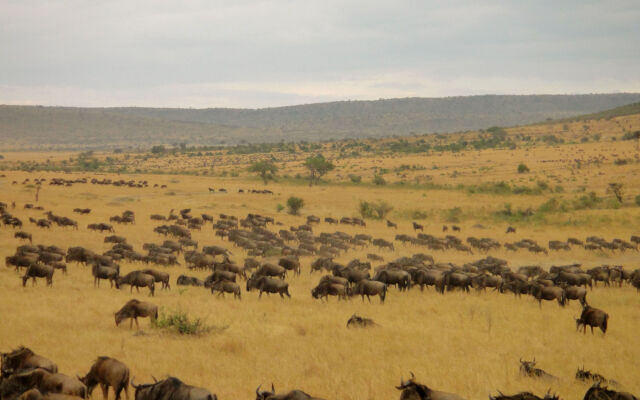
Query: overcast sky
x=251 y=53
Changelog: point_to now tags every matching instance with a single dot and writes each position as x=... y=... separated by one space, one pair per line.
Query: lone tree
x=265 y=169
x=294 y=204
x=617 y=189
x=318 y=166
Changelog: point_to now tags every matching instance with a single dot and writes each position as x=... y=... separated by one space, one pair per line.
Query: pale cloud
x=260 y=53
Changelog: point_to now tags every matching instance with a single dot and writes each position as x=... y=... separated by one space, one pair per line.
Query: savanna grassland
x=468 y=344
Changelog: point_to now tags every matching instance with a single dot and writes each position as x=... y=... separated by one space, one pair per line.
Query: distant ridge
x=67 y=127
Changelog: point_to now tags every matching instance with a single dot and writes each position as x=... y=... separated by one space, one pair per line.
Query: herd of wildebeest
x=273 y=255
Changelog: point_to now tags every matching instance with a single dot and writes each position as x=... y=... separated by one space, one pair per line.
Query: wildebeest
x=268 y=285
x=159 y=276
x=138 y=279
x=325 y=289
x=53 y=382
x=595 y=392
x=223 y=287
x=184 y=280
x=548 y=293
x=271 y=270
x=524 y=396
x=576 y=293
x=357 y=321
x=292 y=395
x=392 y=224
x=528 y=368
x=37 y=270
x=368 y=288
x=412 y=390
x=104 y=272
x=171 y=389
x=397 y=277
x=593 y=317
x=290 y=264
x=511 y=229
x=23 y=235
x=107 y=371
x=135 y=308
x=417 y=226
x=24 y=358
x=585 y=375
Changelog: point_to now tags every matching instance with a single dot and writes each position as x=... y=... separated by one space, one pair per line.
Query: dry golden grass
x=463 y=343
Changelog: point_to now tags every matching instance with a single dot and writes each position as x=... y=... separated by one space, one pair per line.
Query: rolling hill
x=37 y=127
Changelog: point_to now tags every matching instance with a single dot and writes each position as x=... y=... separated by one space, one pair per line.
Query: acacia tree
x=318 y=166
x=265 y=169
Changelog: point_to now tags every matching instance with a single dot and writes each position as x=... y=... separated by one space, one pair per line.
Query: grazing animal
x=223 y=287
x=357 y=321
x=268 y=285
x=511 y=229
x=528 y=368
x=159 y=276
x=548 y=293
x=23 y=235
x=107 y=371
x=138 y=279
x=292 y=395
x=412 y=390
x=595 y=392
x=593 y=317
x=184 y=280
x=37 y=270
x=368 y=288
x=584 y=375
x=134 y=309
x=48 y=382
x=171 y=389
x=417 y=227
x=525 y=396
x=24 y=358
x=103 y=272
x=327 y=288
x=392 y=225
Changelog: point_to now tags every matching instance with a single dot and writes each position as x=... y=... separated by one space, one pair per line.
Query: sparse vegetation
x=179 y=322
x=294 y=204
x=374 y=210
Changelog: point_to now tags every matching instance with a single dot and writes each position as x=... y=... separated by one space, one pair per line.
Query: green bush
x=294 y=204
x=375 y=210
x=355 y=178
x=180 y=322
x=453 y=215
x=522 y=168
x=379 y=180
x=637 y=199
x=279 y=207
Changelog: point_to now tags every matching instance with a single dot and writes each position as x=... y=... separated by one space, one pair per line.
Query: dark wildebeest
x=271 y=270
x=525 y=396
x=22 y=261
x=37 y=270
x=397 y=277
x=159 y=276
x=290 y=264
x=593 y=317
x=292 y=395
x=138 y=279
x=511 y=229
x=134 y=309
x=107 y=371
x=528 y=368
x=596 y=392
x=326 y=289
x=102 y=272
x=584 y=375
x=184 y=280
x=223 y=287
x=357 y=321
x=548 y=293
x=417 y=227
x=576 y=293
x=392 y=224
x=22 y=359
x=412 y=390
x=452 y=279
x=268 y=285
x=171 y=389
x=368 y=288
x=23 y=235
x=48 y=382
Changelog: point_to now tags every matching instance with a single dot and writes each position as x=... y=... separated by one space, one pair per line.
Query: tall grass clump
x=180 y=322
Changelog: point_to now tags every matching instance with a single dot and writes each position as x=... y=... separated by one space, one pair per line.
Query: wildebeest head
x=264 y=395
x=527 y=367
x=411 y=387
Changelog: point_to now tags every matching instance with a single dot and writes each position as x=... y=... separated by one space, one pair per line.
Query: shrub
x=158 y=149
x=522 y=168
x=375 y=210
x=453 y=214
x=355 y=178
x=180 y=322
x=637 y=199
x=294 y=204
x=379 y=180
x=279 y=207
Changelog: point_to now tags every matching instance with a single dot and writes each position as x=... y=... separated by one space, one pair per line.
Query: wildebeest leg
x=137 y=324
x=105 y=391
x=368 y=298
x=130 y=323
x=591 y=326
x=260 y=295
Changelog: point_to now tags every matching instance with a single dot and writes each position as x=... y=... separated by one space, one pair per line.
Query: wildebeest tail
x=605 y=323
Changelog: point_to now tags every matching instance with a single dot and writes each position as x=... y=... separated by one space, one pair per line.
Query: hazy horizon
x=264 y=54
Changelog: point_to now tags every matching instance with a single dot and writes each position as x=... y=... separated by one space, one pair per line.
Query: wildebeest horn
x=520 y=360
x=154 y=379
x=258 y=390
x=133 y=384
x=412 y=375
x=272 y=388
